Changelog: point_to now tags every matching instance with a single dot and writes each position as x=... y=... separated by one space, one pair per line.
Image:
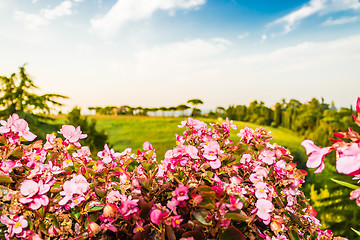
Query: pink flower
x=211 y=151
x=234 y=203
x=113 y=196
x=6 y=125
x=246 y=134
x=21 y=127
x=77 y=185
x=15 y=225
x=34 y=193
x=267 y=157
x=176 y=220
x=7 y=165
x=261 y=190
x=349 y=159
x=129 y=207
x=106 y=154
x=316 y=158
x=181 y=193
x=264 y=208
x=147 y=146
x=355 y=195
x=71 y=133
x=157 y=216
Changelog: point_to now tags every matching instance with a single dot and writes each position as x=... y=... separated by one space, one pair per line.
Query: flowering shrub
x=347 y=148
x=207 y=187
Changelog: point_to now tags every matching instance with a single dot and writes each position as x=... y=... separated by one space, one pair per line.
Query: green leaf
x=94 y=206
x=17 y=152
x=236 y=216
x=207 y=203
x=75 y=212
x=294 y=235
x=356 y=231
x=232 y=233
x=205 y=189
x=200 y=215
x=209 y=195
x=5 y=179
x=345 y=184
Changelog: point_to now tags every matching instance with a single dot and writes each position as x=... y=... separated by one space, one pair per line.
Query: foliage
x=207 y=187
x=17 y=95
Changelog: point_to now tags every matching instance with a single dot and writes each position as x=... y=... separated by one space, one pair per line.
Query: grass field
x=133 y=131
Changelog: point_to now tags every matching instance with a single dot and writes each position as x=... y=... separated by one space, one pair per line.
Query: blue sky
x=163 y=52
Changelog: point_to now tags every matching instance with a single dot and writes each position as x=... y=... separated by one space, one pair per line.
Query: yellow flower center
x=37 y=157
x=17 y=224
x=75 y=201
x=140 y=229
x=177 y=221
x=262 y=190
x=95 y=167
x=68 y=161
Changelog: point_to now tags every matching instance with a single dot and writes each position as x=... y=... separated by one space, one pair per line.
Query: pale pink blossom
x=261 y=190
x=7 y=166
x=15 y=225
x=106 y=155
x=316 y=158
x=265 y=207
x=113 y=196
x=128 y=207
x=6 y=125
x=348 y=161
x=246 y=134
x=21 y=127
x=72 y=134
x=355 y=195
x=211 y=151
x=267 y=156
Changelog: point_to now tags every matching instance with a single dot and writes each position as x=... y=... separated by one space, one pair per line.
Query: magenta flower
x=349 y=159
x=316 y=158
x=157 y=216
x=72 y=134
x=176 y=220
x=15 y=225
x=264 y=208
x=181 y=193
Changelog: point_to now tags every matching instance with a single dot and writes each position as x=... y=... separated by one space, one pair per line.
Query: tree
x=17 y=95
x=182 y=108
x=195 y=110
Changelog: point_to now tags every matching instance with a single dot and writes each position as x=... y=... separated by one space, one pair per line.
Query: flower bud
x=275 y=227
x=311 y=210
x=53 y=230
x=110 y=210
x=81 y=171
x=94 y=228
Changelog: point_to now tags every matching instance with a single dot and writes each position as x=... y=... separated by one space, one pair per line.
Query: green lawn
x=132 y=132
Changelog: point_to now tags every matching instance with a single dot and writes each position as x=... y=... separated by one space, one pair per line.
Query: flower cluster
x=207 y=187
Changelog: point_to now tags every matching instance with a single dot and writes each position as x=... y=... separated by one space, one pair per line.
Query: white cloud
x=241 y=36
x=330 y=21
x=263 y=37
x=31 y=21
x=124 y=11
x=45 y=16
x=321 y=7
x=222 y=41
x=62 y=9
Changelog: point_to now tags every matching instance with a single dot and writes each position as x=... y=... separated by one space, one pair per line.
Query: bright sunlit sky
x=154 y=53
